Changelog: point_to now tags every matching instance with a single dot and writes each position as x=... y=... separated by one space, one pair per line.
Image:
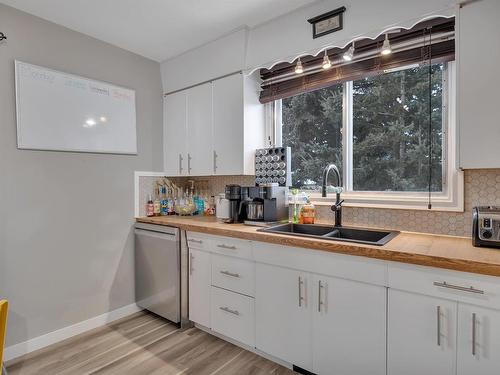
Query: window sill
x=387 y=201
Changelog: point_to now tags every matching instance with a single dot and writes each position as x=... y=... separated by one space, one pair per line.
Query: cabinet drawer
x=234 y=274
x=231 y=246
x=452 y=285
x=198 y=241
x=233 y=315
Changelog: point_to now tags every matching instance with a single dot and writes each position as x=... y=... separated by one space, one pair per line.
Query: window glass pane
x=312 y=124
x=390 y=131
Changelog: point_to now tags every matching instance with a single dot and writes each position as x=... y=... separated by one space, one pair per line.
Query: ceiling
x=157 y=29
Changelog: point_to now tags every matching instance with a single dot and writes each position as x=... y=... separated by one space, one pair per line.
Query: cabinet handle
x=301 y=298
x=320 y=303
x=438 y=317
x=222 y=246
x=227 y=273
x=215 y=161
x=227 y=309
x=195 y=241
x=474 y=321
x=470 y=289
x=180 y=163
x=189 y=163
x=191 y=257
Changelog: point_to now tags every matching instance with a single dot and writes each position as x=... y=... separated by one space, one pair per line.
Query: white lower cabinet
x=478 y=340
x=421 y=334
x=283 y=312
x=200 y=273
x=349 y=327
x=233 y=315
x=337 y=320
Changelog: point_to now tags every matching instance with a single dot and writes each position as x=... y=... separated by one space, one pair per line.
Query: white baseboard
x=40 y=342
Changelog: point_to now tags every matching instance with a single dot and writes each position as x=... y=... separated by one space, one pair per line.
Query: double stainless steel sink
x=328 y=232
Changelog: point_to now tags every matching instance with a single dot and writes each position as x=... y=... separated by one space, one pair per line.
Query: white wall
x=66 y=242
x=286 y=37
x=220 y=57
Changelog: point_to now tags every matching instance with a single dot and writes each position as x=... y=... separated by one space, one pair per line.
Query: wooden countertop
x=455 y=253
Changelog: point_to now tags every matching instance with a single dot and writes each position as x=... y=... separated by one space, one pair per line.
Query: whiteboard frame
x=75 y=150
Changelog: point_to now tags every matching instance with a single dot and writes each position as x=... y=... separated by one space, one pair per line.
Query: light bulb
x=349 y=54
x=327 y=64
x=298 y=68
x=386 y=46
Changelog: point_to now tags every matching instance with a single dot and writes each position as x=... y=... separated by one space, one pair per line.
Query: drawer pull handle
x=301 y=298
x=457 y=287
x=474 y=323
x=320 y=302
x=227 y=273
x=195 y=241
x=438 y=310
x=227 y=247
x=227 y=309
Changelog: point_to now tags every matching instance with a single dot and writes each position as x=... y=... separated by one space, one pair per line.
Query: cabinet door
x=349 y=327
x=199 y=287
x=421 y=334
x=283 y=314
x=199 y=134
x=228 y=125
x=478 y=340
x=478 y=84
x=175 y=134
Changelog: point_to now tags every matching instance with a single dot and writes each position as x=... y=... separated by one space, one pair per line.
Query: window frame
x=452 y=196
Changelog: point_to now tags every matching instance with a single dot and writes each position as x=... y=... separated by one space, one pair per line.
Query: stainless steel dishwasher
x=158 y=270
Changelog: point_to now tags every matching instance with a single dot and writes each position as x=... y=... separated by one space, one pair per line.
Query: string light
x=349 y=54
x=298 y=68
x=386 y=46
x=327 y=64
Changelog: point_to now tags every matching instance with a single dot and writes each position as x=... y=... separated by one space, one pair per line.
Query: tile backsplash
x=481 y=187
x=215 y=185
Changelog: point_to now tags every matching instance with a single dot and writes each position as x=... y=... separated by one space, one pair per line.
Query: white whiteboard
x=64 y=112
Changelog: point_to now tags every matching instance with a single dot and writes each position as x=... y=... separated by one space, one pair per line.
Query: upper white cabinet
x=478 y=82
x=224 y=124
x=175 y=134
x=199 y=130
x=228 y=113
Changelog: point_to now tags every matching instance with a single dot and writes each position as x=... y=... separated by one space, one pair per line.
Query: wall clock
x=327 y=23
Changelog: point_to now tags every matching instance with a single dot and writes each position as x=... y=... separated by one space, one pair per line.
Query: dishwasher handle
x=159 y=235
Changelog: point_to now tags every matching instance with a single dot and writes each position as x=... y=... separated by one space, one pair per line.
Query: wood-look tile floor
x=144 y=343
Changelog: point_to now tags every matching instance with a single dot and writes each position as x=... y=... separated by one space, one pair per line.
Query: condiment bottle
x=308 y=213
x=157 y=204
x=150 y=206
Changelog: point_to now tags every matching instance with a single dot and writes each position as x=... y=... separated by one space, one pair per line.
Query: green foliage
x=390 y=131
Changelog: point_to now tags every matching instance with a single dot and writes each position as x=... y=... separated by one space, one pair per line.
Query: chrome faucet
x=337 y=206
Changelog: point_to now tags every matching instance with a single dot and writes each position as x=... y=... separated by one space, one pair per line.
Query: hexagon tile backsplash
x=481 y=188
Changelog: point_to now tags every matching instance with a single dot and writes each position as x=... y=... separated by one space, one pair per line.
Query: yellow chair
x=4 y=306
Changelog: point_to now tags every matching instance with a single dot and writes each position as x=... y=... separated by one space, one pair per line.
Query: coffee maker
x=265 y=204
x=257 y=205
x=233 y=195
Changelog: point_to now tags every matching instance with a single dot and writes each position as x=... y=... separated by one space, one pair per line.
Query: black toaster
x=486 y=226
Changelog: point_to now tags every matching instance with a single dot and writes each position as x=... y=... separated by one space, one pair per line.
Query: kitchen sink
x=329 y=232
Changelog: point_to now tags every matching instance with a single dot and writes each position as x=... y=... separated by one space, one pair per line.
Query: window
x=376 y=130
